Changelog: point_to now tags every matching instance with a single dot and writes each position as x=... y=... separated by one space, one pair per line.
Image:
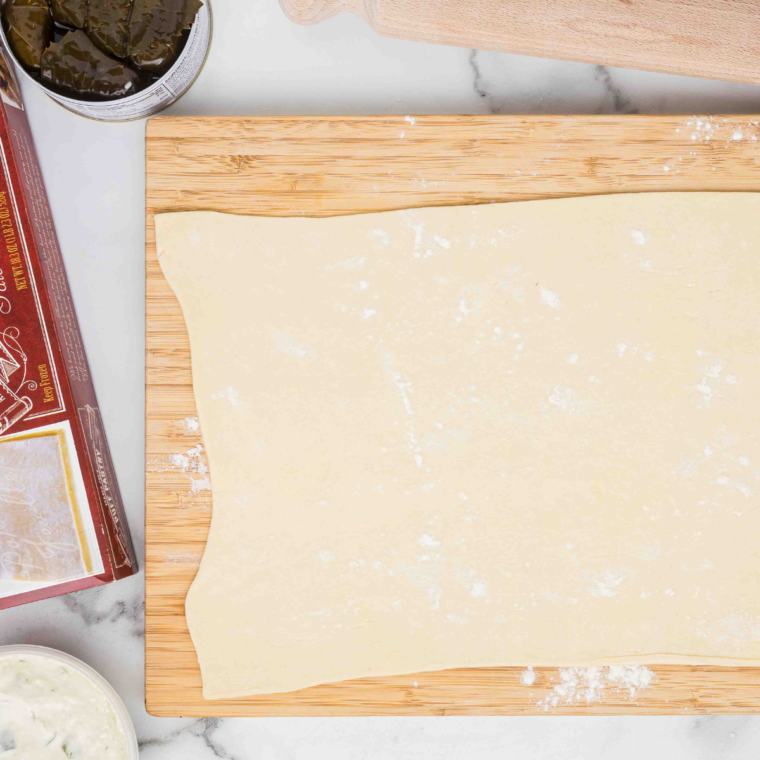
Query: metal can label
x=161 y=93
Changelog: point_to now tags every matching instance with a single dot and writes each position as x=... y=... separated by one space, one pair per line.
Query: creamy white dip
x=50 y=710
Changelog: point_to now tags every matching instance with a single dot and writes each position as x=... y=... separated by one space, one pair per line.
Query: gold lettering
x=11 y=245
x=47 y=388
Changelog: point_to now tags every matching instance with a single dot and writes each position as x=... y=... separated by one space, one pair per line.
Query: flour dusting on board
x=706 y=129
x=190 y=424
x=200 y=484
x=588 y=685
x=183 y=558
x=192 y=462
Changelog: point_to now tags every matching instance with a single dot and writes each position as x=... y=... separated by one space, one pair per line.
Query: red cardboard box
x=62 y=523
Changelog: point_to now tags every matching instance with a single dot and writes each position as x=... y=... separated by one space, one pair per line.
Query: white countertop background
x=260 y=63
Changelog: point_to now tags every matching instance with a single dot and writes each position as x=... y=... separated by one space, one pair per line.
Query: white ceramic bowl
x=133 y=752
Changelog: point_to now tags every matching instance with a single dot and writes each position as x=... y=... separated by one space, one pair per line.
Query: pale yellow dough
x=513 y=434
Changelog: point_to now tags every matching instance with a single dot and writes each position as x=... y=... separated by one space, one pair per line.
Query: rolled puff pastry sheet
x=508 y=434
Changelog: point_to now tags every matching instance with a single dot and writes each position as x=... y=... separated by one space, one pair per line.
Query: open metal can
x=154 y=98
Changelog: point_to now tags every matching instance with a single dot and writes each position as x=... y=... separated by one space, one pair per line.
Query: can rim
x=103 y=686
x=64 y=100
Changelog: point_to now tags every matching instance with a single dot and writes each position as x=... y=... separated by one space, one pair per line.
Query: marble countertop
x=260 y=63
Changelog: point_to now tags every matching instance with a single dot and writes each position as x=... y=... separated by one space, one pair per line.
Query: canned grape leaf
x=155 y=31
x=70 y=12
x=78 y=66
x=169 y=38
x=29 y=28
x=108 y=24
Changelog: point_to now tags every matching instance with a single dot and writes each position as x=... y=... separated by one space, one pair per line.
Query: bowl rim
x=122 y=714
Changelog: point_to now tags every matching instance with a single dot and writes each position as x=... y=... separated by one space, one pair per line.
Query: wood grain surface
x=319 y=166
x=716 y=39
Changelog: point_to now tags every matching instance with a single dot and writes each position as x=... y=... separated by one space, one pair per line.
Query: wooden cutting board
x=715 y=39
x=319 y=166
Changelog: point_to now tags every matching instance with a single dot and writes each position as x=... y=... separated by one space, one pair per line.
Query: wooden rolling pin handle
x=719 y=39
x=314 y=11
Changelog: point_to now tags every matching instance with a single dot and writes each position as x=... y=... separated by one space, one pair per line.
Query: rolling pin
x=716 y=39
